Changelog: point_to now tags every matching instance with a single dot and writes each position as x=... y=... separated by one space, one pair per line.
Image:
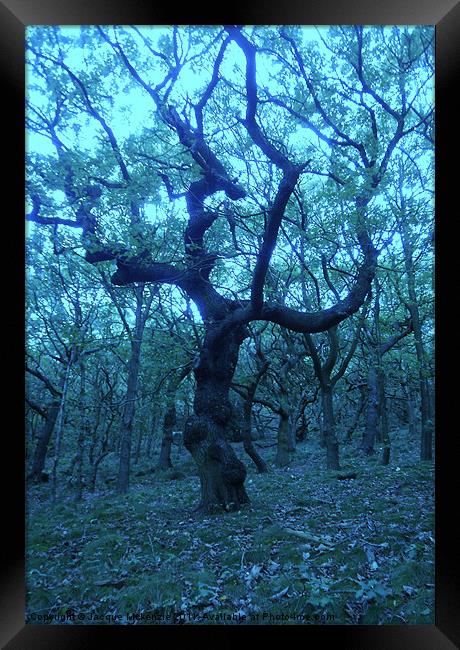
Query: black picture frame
x=15 y=16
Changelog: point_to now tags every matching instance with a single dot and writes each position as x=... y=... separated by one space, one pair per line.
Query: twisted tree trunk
x=221 y=473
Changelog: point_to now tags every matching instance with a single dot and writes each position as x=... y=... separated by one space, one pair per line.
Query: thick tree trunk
x=330 y=438
x=221 y=473
x=431 y=399
x=164 y=461
x=41 y=448
x=292 y=438
x=386 y=453
x=301 y=430
x=322 y=439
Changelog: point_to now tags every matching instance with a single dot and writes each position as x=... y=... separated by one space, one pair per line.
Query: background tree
x=376 y=402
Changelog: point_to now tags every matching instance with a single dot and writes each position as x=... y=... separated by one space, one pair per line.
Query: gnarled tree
x=225 y=150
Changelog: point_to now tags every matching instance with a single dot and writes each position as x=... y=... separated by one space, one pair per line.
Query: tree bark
x=221 y=473
x=409 y=396
x=413 y=307
x=60 y=418
x=170 y=417
x=84 y=430
x=372 y=415
x=411 y=418
x=382 y=431
x=41 y=448
x=376 y=417
x=133 y=376
x=128 y=417
x=164 y=461
x=426 y=433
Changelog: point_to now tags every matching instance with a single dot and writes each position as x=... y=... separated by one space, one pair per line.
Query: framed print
x=234 y=234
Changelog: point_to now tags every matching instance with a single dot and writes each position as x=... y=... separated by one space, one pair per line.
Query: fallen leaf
x=280 y=594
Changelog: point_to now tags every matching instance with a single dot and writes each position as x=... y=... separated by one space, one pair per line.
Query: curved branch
x=39 y=375
x=275 y=216
x=212 y=84
x=249 y=50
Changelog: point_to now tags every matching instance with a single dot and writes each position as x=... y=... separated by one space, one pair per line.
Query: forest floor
x=309 y=549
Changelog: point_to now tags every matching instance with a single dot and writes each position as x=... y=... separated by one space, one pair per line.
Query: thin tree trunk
x=60 y=425
x=283 y=445
x=79 y=464
x=384 y=429
x=426 y=432
x=170 y=417
x=354 y=425
x=410 y=409
x=383 y=416
x=83 y=431
x=131 y=391
x=376 y=417
x=248 y=444
x=152 y=431
x=372 y=415
x=138 y=445
x=330 y=438
x=128 y=417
